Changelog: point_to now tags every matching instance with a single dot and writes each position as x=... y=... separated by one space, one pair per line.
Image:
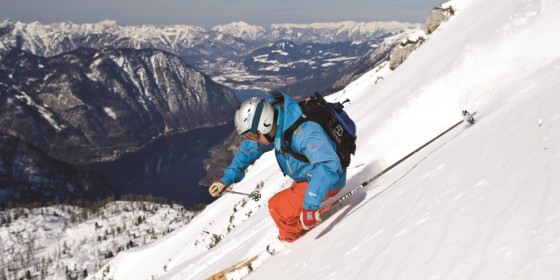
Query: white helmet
x=254 y=115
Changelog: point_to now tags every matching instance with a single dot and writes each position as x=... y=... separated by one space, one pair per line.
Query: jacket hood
x=292 y=110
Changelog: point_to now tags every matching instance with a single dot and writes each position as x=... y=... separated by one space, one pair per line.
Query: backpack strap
x=287 y=140
x=278 y=101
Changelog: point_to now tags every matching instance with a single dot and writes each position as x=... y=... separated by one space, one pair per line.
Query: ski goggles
x=250 y=135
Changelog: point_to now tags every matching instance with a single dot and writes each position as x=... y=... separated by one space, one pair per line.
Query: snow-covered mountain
x=242 y=30
x=221 y=52
x=56 y=38
x=481 y=202
x=327 y=32
x=70 y=242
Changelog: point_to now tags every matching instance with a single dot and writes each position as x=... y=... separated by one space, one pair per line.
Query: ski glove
x=309 y=219
x=217 y=188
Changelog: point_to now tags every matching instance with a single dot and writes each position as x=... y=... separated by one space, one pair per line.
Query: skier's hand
x=308 y=219
x=217 y=188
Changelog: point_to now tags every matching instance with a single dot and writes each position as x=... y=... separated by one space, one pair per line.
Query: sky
x=209 y=13
x=481 y=202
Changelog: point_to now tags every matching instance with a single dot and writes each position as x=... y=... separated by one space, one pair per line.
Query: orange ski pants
x=285 y=208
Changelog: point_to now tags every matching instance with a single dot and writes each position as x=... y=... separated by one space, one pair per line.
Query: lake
x=170 y=167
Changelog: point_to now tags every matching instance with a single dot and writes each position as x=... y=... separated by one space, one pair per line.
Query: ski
x=238 y=266
x=241 y=269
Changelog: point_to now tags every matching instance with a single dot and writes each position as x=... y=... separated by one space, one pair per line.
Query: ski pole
x=256 y=195
x=467 y=117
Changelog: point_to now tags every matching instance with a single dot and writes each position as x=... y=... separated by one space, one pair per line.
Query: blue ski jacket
x=323 y=171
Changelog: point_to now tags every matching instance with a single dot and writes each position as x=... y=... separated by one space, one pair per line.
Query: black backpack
x=334 y=120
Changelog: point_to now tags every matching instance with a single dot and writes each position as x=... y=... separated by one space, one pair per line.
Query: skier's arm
x=248 y=153
x=316 y=145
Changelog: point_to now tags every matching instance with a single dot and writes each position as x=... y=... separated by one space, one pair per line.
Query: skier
x=295 y=209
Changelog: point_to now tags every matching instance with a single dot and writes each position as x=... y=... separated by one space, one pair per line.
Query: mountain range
x=238 y=55
x=56 y=38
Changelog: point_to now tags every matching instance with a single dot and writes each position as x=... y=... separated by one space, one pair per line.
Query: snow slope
x=482 y=202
